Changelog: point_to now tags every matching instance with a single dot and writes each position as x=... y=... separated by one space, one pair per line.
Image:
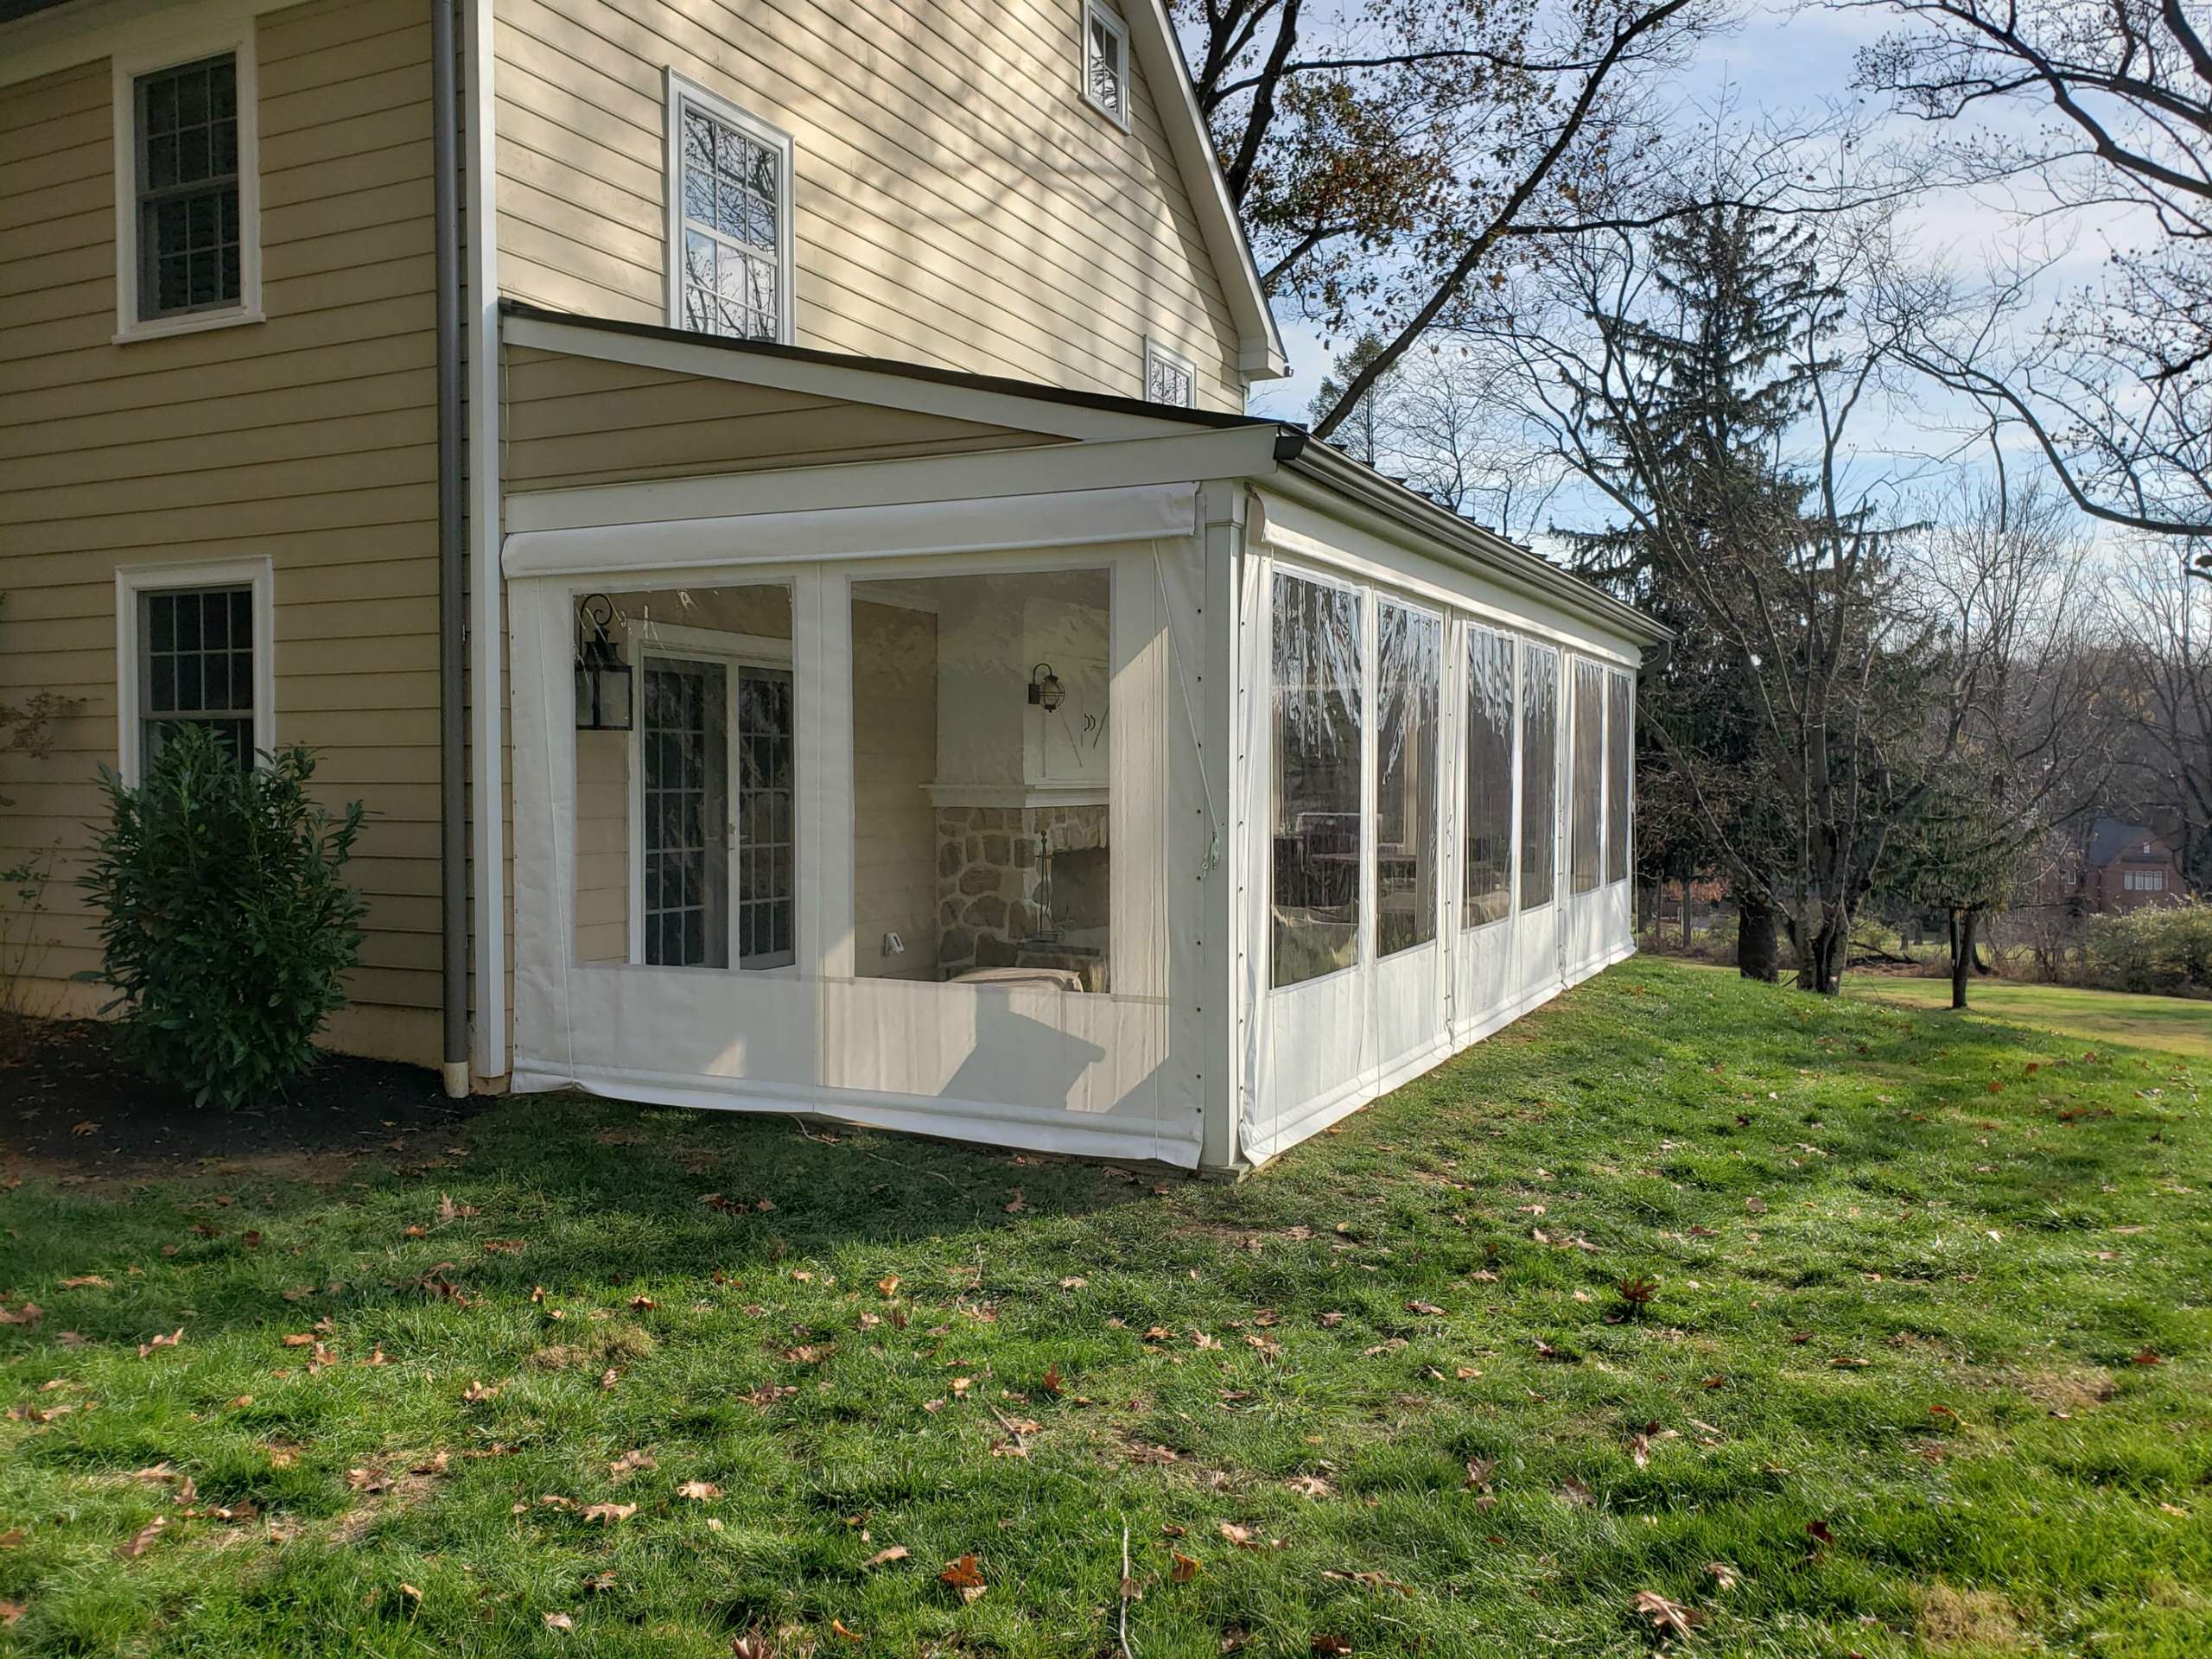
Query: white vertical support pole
x=822 y=656
x=488 y=637
x=1218 y=999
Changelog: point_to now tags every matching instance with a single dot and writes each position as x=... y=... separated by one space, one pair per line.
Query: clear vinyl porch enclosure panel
x=886 y=835
x=1442 y=837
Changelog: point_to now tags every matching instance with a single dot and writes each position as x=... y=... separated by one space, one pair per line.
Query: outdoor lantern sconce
x=1045 y=688
x=602 y=677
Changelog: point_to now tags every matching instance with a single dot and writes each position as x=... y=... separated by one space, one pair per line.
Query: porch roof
x=1146 y=441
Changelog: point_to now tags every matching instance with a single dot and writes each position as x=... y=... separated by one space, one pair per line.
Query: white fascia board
x=1229 y=452
x=488 y=627
x=1148 y=512
x=1260 y=355
x=1047 y=416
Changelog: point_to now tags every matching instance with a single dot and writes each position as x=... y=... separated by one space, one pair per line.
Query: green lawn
x=2180 y=1024
x=1925 y=1372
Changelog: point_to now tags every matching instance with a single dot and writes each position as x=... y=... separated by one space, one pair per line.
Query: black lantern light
x=602 y=677
x=1045 y=688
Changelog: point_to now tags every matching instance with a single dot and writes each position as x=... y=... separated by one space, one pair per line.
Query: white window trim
x=685 y=644
x=235 y=36
x=680 y=91
x=131 y=582
x=1157 y=351
x=1093 y=11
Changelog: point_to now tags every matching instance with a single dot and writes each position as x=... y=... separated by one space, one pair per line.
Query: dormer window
x=1169 y=377
x=1106 y=63
x=730 y=232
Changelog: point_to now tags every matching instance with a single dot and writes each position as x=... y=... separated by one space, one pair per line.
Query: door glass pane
x=1539 y=771
x=1489 y=874
x=1409 y=664
x=685 y=785
x=1586 y=777
x=982 y=777
x=685 y=835
x=1315 y=836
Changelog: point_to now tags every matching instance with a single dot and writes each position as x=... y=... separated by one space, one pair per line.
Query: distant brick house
x=2125 y=866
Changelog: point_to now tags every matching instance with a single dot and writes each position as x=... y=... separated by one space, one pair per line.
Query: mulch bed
x=70 y=1100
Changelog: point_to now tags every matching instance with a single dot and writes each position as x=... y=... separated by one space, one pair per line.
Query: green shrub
x=225 y=925
x=2155 y=947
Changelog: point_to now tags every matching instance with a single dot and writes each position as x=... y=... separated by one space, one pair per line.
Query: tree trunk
x=1820 y=963
x=1686 y=915
x=1963 y=924
x=1756 y=952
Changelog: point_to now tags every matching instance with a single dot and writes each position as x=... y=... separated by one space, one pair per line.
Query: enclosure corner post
x=1222 y=507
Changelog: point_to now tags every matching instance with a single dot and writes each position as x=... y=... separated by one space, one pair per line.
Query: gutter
x=1298 y=451
x=453 y=553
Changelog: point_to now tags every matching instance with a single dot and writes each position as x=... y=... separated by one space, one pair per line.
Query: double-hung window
x=194 y=647
x=1106 y=63
x=729 y=227
x=187 y=203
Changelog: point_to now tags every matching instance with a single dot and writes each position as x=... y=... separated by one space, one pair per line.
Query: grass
x=2179 y=1024
x=1923 y=1372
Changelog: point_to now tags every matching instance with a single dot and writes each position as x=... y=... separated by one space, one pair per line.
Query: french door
x=716 y=792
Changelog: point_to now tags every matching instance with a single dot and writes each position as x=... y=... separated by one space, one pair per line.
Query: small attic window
x=1106 y=63
x=1169 y=377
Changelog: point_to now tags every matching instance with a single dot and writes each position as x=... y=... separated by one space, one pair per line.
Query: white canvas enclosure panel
x=982 y=725
x=1405 y=818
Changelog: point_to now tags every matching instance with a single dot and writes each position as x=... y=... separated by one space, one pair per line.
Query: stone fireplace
x=1023 y=886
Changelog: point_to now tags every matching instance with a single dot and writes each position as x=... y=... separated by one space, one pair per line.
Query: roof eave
x=1260 y=355
x=1299 y=452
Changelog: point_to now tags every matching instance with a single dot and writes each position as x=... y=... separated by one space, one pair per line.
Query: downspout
x=453 y=554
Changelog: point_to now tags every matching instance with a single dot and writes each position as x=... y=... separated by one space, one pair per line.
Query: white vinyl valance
x=1061 y=519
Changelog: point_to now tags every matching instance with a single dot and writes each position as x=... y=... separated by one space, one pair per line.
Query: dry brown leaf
x=1723 y=1575
x=476 y=1391
x=1311 y=1486
x=753 y=1646
x=559 y=1621
x=1639 y=1451
x=628 y=1464
x=884 y=1557
x=84 y=1280
x=1329 y=1645
x=698 y=1491
x=963 y=1576
x=137 y=1546
x=1573 y=1492
x=1184 y=1567
x=1669 y=1618
x=12 y=1611
x=609 y=1514
x=11 y=1538
x=299 y=1338
x=840 y=1628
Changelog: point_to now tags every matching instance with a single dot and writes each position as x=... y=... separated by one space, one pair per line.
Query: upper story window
x=728 y=218
x=1169 y=377
x=1106 y=63
x=187 y=206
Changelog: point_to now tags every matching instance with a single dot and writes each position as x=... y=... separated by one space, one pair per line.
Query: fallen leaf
x=1667 y=1617
x=476 y=1391
x=1723 y=1575
x=1331 y=1644
x=1572 y=1492
x=963 y=1576
x=1184 y=1567
x=559 y=1621
x=840 y=1627
x=751 y=1647
x=884 y=1557
x=137 y=1546
x=1639 y=1451
x=12 y=1611
x=1310 y=1486
x=299 y=1338
x=698 y=1491
x=607 y=1514
x=628 y=1464
x=81 y=1281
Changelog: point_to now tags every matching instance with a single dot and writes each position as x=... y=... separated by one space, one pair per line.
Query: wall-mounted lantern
x=603 y=683
x=1045 y=688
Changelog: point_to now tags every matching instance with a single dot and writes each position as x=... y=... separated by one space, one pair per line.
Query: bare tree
x=1383 y=152
x=2115 y=388
x=2018 y=731
x=2164 y=644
